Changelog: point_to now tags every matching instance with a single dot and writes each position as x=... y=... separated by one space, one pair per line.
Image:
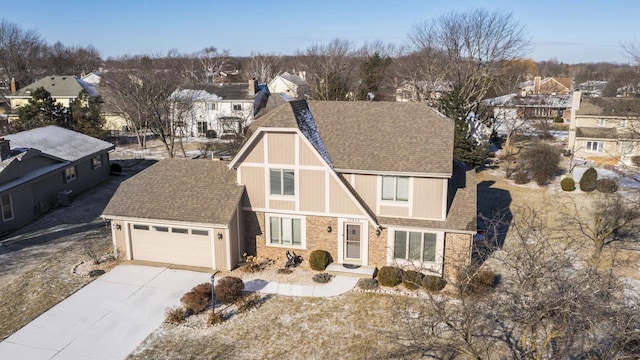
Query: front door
x=352 y=244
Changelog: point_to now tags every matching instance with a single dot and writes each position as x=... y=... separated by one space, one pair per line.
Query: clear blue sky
x=571 y=31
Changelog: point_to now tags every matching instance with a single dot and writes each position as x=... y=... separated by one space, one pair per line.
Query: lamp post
x=213 y=294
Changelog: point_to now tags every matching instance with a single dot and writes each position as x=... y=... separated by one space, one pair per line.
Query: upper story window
x=623 y=123
x=7 y=207
x=237 y=106
x=395 y=188
x=595 y=146
x=602 y=122
x=211 y=106
x=282 y=182
x=96 y=162
x=69 y=174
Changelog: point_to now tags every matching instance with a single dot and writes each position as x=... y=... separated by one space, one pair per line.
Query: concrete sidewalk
x=340 y=284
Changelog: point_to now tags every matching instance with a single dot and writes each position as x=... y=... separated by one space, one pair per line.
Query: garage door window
x=179 y=230
x=140 y=227
x=200 y=232
x=161 y=228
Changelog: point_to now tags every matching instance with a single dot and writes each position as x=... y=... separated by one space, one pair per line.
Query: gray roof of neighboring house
x=58 y=86
x=377 y=136
x=515 y=100
x=597 y=132
x=609 y=106
x=462 y=200
x=59 y=142
x=234 y=91
x=195 y=191
x=293 y=78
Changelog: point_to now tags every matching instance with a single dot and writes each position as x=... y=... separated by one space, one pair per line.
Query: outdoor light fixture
x=329 y=229
x=219 y=236
x=118 y=227
x=378 y=231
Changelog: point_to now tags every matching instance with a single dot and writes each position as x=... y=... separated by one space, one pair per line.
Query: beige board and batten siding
x=308 y=156
x=429 y=196
x=281 y=148
x=401 y=211
x=366 y=186
x=253 y=179
x=312 y=190
x=255 y=154
x=339 y=201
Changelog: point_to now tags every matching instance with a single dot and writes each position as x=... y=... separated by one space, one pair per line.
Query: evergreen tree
x=371 y=72
x=85 y=115
x=41 y=110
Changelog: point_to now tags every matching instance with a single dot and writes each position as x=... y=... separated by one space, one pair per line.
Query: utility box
x=65 y=197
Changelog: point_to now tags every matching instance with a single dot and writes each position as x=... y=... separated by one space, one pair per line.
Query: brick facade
x=377 y=247
x=457 y=254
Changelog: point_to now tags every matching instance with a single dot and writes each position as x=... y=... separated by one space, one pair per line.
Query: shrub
x=541 y=161
x=390 y=276
x=249 y=302
x=412 y=279
x=322 y=278
x=589 y=180
x=195 y=302
x=635 y=160
x=115 y=169
x=204 y=289
x=229 y=289
x=367 y=284
x=558 y=120
x=175 y=315
x=567 y=184
x=521 y=177
x=433 y=283
x=481 y=282
x=319 y=259
x=606 y=185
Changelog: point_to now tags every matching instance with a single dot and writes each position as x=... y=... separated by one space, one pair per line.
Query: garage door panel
x=172 y=248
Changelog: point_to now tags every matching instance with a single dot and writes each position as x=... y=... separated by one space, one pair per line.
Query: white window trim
x=599 y=147
x=433 y=266
x=70 y=177
x=364 y=238
x=282 y=196
x=303 y=231
x=13 y=215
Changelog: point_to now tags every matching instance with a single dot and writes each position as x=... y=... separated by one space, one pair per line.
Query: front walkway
x=340 y=284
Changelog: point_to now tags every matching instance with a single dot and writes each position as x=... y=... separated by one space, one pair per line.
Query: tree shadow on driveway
x=494 y=220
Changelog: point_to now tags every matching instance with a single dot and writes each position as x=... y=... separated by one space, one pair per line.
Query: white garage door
x=173 y=245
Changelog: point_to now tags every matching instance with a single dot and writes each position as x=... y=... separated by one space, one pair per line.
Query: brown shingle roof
x=461 y=214
x=607 y=106
x=378 y=136
x=198 y=191
x=597 y=132
x=234 y=91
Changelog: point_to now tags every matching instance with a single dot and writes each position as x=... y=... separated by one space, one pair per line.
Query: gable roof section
x=225 y=91
x=58 y=142
x=307 y=125
x=609 y=106
x=195 y=191
x=58 y=87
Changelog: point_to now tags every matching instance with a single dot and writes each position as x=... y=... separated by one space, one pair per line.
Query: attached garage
x=173 y=245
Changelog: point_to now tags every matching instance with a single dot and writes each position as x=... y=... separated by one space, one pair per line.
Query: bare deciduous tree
x=330 y=69
x=263 y=67
x=20 y=54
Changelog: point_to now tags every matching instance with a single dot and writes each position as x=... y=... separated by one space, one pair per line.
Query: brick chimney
x=4 y=148
x=13 y=86
x=253 y=86
x=536 y=85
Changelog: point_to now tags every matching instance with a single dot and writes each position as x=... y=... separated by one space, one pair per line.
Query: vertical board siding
x=427 y=198
x=281 y=148
x=256 y=152
x=339 y=201
x=366 y=186
x=253 y=180
x=312 y=192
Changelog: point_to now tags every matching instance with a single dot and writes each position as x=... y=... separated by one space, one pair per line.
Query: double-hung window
x=7 y=207
x=237 y=107
x=395 y=188
x=282 y=182
x=96 y=162
x=285 y=231
x=211 y=106
x=415 y=246
x=69 y=174
x=595 y=146
x=202 y=127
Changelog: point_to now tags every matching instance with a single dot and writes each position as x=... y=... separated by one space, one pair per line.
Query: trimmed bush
x=195 y=302
x=322 y=278
x=606 y=185
x=411 y=279
x=589 y=180
x=540 y=161
x=204 y=289
x=367 y=284
x=229 y=289
x=558 y=120
x=567 y=184
x=319 y=259
x=175 y=315
x=635 y=160
x=390 y=276
x=433 y=283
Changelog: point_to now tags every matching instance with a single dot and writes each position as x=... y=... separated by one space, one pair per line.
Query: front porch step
x=363 y=272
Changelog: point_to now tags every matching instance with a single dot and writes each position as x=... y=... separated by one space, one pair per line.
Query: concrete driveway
x=106 y=319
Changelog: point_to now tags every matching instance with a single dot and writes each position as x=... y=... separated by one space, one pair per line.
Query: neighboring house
x=606 y=129
x=351 y=178
x=430 y=91
x=592 y=88
x=514 y=106
x=43 y=167
x=222 y=109
x=628 y=91
x=294 y=86
x=114 y=119
x=63 y=89
x=546 y=86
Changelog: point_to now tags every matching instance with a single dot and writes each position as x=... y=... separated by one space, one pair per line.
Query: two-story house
x=372 y=183
x=293 y=86
x=222 y=109
x=606 y=129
